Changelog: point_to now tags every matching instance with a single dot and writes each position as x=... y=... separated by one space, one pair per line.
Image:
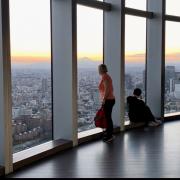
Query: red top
x=102 y=88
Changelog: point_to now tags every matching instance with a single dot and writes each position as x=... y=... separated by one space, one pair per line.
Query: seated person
x=138 y=111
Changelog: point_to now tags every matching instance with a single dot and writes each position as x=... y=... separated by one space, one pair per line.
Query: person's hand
x=103 y=101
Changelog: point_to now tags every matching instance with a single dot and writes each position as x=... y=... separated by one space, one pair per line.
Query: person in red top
x=108 y=100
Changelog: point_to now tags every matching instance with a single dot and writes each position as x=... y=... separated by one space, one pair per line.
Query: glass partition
x=136 y=4
x=172 y=7
x=31 y=73
x=90 y=55
x=135 y=56
x=172 y=68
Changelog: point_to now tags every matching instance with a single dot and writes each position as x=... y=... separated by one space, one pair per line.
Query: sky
x=30 y=30
x=137 y=4
x=89 y=33
x=31 y=39
x=135 y=39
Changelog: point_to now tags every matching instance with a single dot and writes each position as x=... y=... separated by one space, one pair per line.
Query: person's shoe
x=108 y=139
x=158 y=121
x=153 y=124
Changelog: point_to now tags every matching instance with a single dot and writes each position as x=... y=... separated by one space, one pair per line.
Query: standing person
x=108 y=100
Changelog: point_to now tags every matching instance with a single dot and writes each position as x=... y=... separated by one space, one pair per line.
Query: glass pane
x=135 y=56
x=31 y=73
x=136 y=4
x=172 y=69
x=172 y=7
x=90 y=55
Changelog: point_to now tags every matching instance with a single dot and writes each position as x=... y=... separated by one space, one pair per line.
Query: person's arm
x=142 y=104
x=106 y=90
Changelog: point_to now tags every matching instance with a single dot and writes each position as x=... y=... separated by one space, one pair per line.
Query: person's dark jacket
x=136 y=109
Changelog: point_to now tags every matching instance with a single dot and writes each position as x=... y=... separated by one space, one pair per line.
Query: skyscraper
x=170 y=72
x=44 y=85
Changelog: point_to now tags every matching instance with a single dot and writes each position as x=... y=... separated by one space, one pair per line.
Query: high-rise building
x=171 y=86
x=44 y=85
x=170 y=72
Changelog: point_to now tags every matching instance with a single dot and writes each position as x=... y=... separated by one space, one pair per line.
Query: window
x=136 y=4
x=172 y=7
x=172 y=68
x=135 y=56
x=31 y=73
x=90 y=55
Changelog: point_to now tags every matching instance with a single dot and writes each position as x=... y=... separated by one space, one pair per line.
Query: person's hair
x=103 y=68
x=137 y=92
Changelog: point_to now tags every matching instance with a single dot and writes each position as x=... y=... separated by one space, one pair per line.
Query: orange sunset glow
x=134 y=57
x=139 y=58
x=30 y=59
x=130 y=58
x=173 y=56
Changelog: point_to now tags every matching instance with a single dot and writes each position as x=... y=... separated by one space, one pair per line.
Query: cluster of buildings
x=32 y=101
x=88 y=98
x=32 y=105
x=31 y=108
x=172 y=90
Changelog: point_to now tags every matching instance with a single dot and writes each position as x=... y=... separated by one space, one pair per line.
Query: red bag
x=100 y=119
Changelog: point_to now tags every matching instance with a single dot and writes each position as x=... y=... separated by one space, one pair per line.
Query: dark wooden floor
x=138 y=153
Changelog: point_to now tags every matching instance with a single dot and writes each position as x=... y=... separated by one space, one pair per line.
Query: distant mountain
x=88 y=63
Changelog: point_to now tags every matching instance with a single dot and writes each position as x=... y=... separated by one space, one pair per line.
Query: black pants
x=148 y=114
x=108 y=106
x=144 y=115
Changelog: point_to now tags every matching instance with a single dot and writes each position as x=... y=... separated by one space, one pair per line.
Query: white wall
x=64 y=70
x=155 y=58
